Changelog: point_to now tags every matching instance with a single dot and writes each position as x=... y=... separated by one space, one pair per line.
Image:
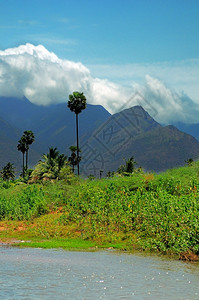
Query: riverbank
x=146 y=212
x=80 y=245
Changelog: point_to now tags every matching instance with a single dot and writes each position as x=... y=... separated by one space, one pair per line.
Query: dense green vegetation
x=157 y=212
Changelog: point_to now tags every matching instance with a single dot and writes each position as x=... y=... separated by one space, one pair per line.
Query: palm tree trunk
x=26 y=159
x=23 y=165
x=77 y=132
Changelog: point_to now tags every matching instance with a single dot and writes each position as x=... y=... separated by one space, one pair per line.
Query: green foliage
x=28 y=203
x=110 y=174
x=77 y=102
x=27 y=175
x=50 y=166
x=66 y=174
x=154 y=212
x=128 y=167
x=161 y=212
x=28 y=137
x=91 y=177
x=8 y=172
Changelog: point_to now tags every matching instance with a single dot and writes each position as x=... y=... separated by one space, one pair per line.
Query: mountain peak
x=136 y=118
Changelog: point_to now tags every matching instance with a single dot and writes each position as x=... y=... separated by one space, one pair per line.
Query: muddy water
x=56 y=274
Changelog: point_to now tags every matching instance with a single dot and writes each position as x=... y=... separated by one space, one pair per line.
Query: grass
x=72 y=244
x=154 y=212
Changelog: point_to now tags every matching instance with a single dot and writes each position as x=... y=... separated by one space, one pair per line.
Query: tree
x=50 y=165
x=54 y=161
x=23 y=148
x=8 y=172
x=29 y=138
x=189 y=162
x=73 y=158
x=110 y=174
x=77 y=103
x=128 y=167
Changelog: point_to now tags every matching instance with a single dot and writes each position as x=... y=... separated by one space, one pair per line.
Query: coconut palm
x=77 y=103
x=50 y=165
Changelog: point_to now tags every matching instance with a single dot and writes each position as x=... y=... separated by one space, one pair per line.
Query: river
x=56 y=274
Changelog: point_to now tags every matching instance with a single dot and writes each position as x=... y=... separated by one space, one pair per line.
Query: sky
x=119 y=53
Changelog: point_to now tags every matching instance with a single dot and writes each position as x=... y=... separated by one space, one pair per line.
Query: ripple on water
x=56 y=274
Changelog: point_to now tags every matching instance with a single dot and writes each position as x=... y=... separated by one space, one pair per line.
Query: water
x=56 y=274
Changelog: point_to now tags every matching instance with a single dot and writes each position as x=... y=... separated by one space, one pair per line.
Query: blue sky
x=110 y=32
x=121 y=42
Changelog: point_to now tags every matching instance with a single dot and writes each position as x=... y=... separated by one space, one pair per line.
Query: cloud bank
x=34 y=72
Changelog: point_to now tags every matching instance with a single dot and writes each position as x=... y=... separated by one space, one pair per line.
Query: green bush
x=28 y=203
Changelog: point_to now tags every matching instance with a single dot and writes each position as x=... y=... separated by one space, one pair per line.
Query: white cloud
x=169 y=105
x=39 y=75
x=178 y=75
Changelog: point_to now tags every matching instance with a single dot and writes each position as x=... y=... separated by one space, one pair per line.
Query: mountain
x=162 y=148
x=105 y=140
x=53 y=126
x=192 y=129
x=133 y=132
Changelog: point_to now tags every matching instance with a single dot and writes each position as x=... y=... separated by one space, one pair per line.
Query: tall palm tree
x=77 y=103
x=22 y=147
x=29 y=139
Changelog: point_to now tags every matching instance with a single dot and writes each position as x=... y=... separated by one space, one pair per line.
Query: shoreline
x=186 y=256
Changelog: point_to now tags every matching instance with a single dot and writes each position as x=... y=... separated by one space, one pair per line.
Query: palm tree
x=50 y=165
x=77 y=103
x=73 y=158
x=29 y=139
x=129 y=166
x=22 y=147
x=8 y=172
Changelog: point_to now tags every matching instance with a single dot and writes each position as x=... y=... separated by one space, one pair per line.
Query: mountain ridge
x=154 y=147
x=131 y=132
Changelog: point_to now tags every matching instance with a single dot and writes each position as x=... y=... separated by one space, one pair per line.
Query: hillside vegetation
x=140 y=211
